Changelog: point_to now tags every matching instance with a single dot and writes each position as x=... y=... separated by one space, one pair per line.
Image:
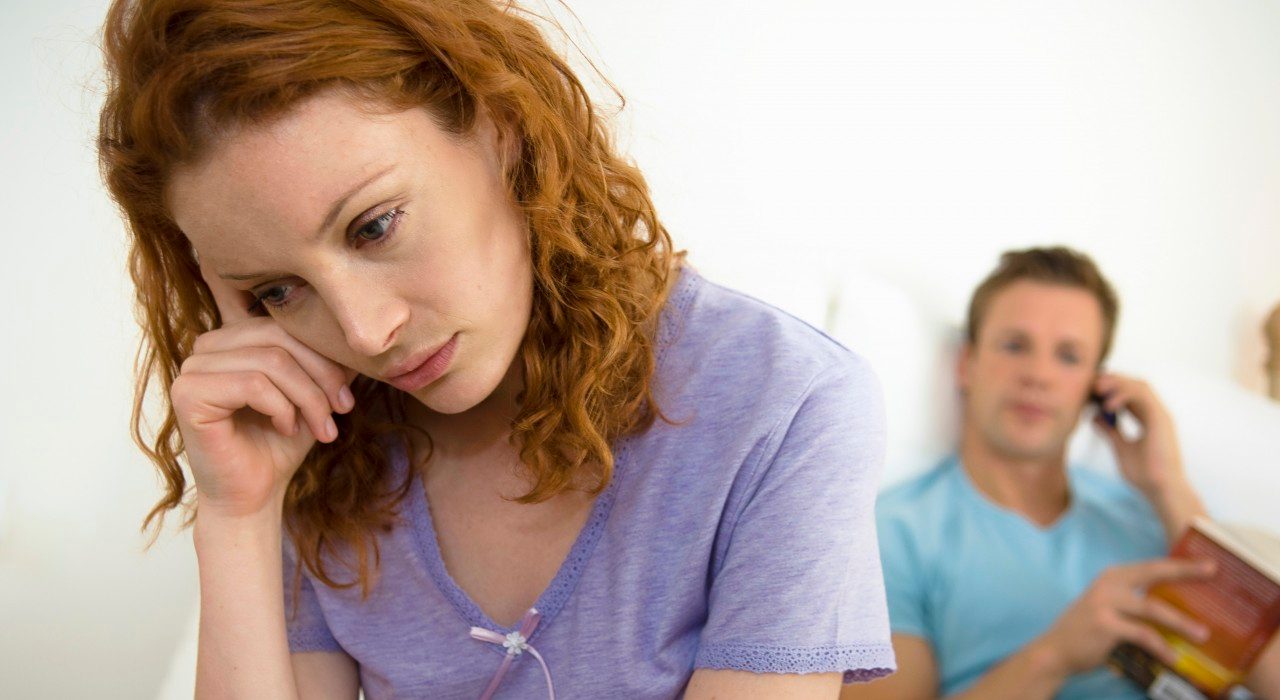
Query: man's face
x=1028 y=374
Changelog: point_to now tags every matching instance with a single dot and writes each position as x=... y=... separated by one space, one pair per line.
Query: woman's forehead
x=289 y=173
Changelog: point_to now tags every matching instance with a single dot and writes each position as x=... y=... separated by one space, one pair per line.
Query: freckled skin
x=456 y=260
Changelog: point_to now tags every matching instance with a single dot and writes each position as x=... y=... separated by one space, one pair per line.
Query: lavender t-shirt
x=743 y=537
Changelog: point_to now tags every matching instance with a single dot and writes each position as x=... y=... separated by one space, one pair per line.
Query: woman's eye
x=276 y=297
x=379 y=228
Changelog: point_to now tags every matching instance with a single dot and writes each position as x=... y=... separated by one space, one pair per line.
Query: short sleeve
x=903 y=578
x=798 y=588
x=305 y=624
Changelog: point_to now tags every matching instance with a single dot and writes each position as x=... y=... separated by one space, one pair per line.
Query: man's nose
x=1038 y=369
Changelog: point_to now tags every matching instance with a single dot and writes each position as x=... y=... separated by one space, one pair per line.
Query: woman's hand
x=250 y=402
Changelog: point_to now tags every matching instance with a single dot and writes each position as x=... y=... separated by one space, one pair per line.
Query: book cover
x=1240 y=605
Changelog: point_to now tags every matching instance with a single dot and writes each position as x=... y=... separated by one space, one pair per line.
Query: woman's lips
x=428 y=371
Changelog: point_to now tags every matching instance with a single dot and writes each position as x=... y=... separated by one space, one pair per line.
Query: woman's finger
x=264 y=332
x=233 y=304
x=281 y=368
x=207 y=399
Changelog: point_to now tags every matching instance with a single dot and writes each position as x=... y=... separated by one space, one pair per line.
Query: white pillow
x=913 y=353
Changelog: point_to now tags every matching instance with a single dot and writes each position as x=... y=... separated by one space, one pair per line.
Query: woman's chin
x=449 y=396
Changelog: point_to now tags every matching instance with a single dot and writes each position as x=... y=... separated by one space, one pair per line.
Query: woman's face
x=376 y=240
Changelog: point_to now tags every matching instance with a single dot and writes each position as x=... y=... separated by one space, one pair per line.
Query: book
x=1240 y=605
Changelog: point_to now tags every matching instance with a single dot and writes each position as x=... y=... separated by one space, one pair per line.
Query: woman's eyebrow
x=341 y=202
x=329 y=218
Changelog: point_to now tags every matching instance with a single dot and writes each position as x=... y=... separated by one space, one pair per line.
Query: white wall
x=922 y=138
x=83 y=612
x=785 y=142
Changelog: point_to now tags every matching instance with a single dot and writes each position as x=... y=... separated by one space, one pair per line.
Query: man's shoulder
x=1107 y=498
x=1102 y=489
x=923 y=498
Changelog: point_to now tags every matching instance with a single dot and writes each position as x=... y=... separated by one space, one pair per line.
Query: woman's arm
x=716 y=683
x=250 y=402
x=915 y=679
x=326 y=675
x=1025 y=675
x=243 y=650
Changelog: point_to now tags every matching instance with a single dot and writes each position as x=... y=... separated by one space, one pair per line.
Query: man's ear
x=964 y=362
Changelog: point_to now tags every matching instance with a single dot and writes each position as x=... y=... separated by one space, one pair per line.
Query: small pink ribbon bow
x=516 y=644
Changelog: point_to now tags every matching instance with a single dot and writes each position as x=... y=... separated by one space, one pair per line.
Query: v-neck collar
x=553 y=598
x=557 y=593
x=986 y=503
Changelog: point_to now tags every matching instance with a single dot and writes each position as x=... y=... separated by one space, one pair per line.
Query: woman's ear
x=500 y=135
x=510 y=143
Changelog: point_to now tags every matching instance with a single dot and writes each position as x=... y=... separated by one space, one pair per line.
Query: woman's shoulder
x=730 y=332
x=746 y=368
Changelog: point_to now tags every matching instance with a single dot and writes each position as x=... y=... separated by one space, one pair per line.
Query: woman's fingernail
x=331 y=428
x=346 y=401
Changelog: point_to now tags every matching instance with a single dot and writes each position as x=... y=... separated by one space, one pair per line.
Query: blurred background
x=861 y=164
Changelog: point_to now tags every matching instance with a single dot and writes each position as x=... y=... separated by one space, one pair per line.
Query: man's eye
x=1013 y=346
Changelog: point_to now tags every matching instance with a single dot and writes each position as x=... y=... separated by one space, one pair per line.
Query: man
x=1009 y=575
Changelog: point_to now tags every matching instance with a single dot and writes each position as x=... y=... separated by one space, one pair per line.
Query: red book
x=1240 y=605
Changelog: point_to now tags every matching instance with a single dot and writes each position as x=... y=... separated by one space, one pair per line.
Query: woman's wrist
x=215 y=526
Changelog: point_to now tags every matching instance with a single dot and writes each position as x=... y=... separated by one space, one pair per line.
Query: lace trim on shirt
x=859 y=664
x=671 y=319
x=312 y=640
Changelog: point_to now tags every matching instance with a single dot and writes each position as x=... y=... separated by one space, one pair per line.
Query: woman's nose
x=370 y=318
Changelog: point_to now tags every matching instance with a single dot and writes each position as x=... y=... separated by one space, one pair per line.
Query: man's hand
x=1152 y=462
x=1115 y=609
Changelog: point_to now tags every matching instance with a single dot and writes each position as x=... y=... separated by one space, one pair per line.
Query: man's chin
x=1027 y=448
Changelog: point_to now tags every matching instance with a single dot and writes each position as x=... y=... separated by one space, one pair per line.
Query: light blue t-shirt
x=743 y=537
x=978 y=581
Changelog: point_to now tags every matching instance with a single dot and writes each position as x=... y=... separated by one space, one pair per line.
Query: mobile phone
x=1108 y=417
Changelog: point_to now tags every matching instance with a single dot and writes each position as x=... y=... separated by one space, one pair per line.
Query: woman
x=408 y=304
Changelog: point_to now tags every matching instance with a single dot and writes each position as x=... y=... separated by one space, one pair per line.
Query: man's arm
x=1111 y=611
x=1152 y=462
x=1264 y=679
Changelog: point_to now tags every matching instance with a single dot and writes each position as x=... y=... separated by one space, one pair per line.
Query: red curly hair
x=183 y=72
